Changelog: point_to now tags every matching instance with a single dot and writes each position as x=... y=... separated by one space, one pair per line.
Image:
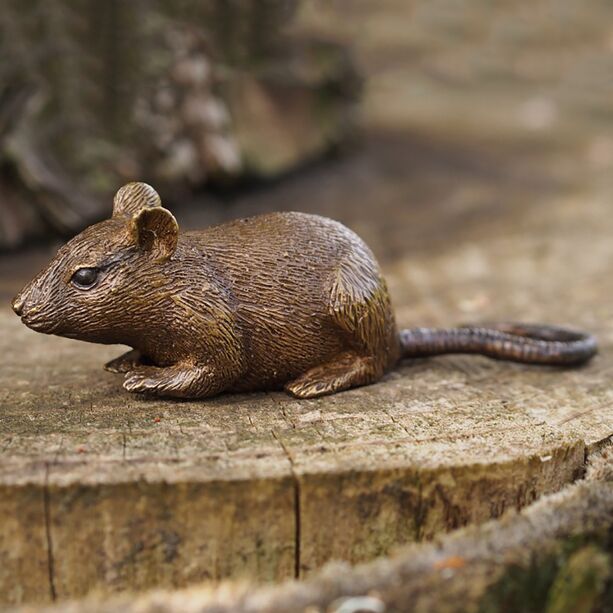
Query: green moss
x=522 y=589
x=573 y=578
x=580 y=581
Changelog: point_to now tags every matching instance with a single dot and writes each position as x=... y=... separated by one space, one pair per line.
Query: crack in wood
x=48 y=538
x=297 y=501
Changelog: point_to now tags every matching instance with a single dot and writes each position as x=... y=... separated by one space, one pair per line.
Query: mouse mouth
x=37 y=323
x=33 y=324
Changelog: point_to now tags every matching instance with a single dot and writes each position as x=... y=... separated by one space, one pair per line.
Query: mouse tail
x=517 y=342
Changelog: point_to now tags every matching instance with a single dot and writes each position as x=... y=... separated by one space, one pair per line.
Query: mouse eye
x=84 y=278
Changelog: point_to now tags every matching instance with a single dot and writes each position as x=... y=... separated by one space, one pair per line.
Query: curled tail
x=530 y=344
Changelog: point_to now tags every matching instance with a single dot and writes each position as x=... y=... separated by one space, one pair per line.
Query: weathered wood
x=103 y=490
x=556 y=556
x=162 y=493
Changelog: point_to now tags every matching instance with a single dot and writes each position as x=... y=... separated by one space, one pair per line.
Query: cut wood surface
x=105 y=490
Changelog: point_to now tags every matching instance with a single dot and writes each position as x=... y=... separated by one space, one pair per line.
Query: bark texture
x=555 y=557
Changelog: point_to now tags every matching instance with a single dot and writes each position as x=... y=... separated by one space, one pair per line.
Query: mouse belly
x=279 y=354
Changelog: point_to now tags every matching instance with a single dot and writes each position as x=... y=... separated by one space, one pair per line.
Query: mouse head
x=96 y=284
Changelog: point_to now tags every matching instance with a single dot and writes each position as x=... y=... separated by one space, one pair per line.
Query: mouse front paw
x=182 y=380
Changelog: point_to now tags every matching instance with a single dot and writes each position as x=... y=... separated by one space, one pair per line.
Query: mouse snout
x=17 y=304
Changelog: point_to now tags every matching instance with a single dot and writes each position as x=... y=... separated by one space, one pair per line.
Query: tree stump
x=554 y=556
x=107 y=491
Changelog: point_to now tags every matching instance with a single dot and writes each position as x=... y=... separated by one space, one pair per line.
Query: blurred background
x=420 y=124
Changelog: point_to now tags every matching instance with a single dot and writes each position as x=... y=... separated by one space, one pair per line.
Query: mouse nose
x=17 y=304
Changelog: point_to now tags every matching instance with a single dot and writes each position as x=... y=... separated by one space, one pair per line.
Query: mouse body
x=281 y=300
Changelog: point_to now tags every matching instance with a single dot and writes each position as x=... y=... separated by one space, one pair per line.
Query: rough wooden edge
x=556 y=556
x=141 y=534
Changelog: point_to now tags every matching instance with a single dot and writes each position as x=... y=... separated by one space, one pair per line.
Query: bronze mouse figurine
x=279 y=300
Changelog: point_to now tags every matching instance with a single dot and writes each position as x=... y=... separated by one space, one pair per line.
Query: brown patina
x=280 y=300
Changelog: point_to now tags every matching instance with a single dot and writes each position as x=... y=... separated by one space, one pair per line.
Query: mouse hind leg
x=343 y=372
x=360 y=307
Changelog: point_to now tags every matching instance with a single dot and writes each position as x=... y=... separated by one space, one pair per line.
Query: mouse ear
x=135 y=197
x=156 y=230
